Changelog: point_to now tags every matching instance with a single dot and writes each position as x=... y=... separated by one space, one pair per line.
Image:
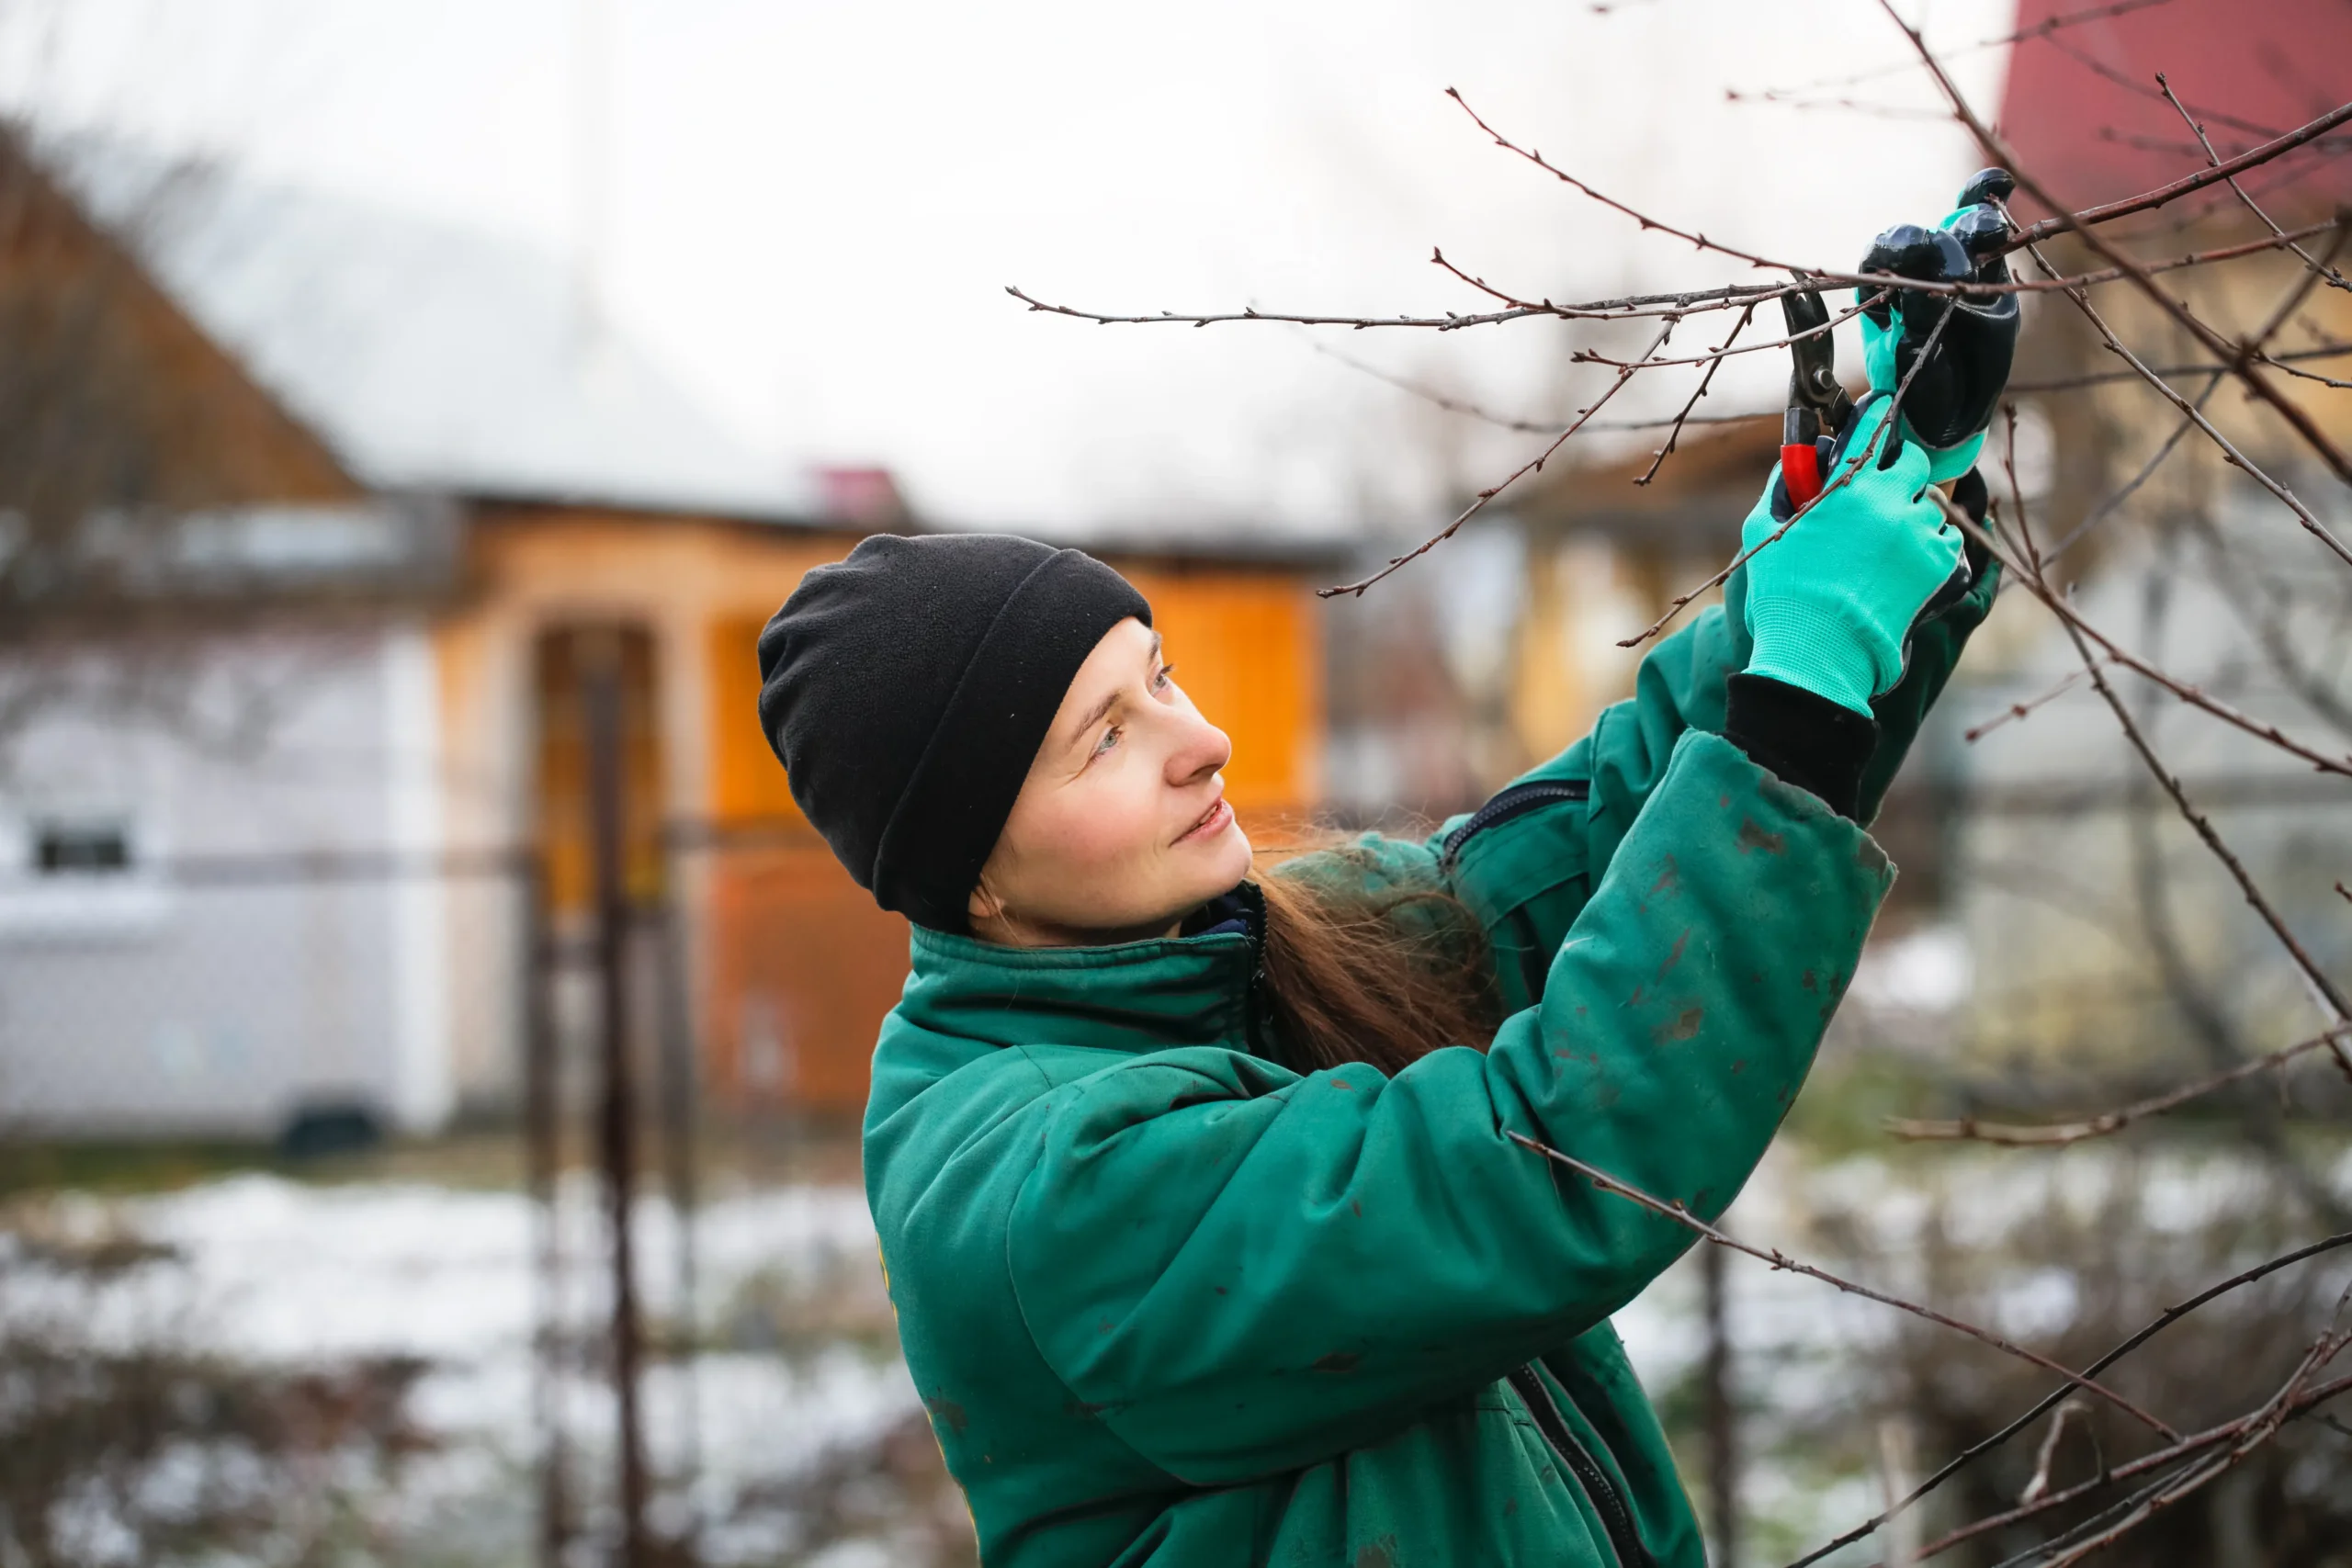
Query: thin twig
x=1675 y=434
x=1715 y=355
x=1533 y=464
x=2148 y=202
x=2239 y=355
x=2132 y=84
x=2037 y=584
x=1697 y=240
x=1843 y=477
x=2104 y=377
x=2039 y=30
x=1781 y=1260
x=2163 y=1321
x=2114 y=501
x=2337 y=383
x=2039 y=1485
x=1696 y=301
x=2333 y=277
x=2229 y=451
x=1468 y=410
x=1970 y=1129
x=2256 y=1429
x=2323 y=988
x=2300 y=1405
x=2019 y=710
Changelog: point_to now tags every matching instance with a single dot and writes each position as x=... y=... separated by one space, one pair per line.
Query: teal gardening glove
x=1951 y=399
x=1831 y=603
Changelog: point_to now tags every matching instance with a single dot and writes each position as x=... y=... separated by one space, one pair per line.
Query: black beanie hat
x=906 y=689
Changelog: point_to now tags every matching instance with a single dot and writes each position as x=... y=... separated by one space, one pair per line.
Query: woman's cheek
x=1102 y=827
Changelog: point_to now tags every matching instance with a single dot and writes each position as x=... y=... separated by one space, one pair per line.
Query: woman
x=1208 y=1236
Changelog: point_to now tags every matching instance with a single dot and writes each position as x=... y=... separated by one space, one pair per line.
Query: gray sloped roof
x=428 y=356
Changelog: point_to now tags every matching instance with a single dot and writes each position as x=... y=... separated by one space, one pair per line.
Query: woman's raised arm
x=1244 y=1270
x=1527 y=860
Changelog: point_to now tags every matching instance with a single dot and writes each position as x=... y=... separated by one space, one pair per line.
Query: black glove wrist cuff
x=1802 y=739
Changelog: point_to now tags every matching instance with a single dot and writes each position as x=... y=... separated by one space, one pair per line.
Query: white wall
x=223 y=982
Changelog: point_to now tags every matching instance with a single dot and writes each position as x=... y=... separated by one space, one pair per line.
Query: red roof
x=2082 y=110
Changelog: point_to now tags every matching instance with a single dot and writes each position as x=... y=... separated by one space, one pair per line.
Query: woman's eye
x=1165 y=679
x=1110 y=739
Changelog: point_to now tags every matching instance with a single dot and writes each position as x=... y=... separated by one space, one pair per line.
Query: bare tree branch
x=1781 y=1260
x=2057 y=1135
x=1837 y=482
x=2239 y=355
x=2334 y=278
x=1533 y=464
x=1675 y=433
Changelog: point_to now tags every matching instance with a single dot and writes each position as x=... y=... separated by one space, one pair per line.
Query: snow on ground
x=799 y=1357
x=279 y=1272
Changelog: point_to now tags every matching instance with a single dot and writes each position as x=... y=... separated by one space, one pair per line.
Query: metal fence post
x=1721 y=1415
x=679 y=1132
x=616 y=1120
x=542 y=1113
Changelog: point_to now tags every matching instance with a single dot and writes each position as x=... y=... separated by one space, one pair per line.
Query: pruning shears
x=1817 y=404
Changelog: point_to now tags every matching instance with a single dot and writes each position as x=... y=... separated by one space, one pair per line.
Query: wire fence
x=622 y=1305
x=366 y=1203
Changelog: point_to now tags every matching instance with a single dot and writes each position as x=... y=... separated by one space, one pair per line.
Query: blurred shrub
x=2114 y=1242
x=140 y=1453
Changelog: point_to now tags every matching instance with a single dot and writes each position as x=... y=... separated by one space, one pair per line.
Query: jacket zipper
x=1255 y=902
x=1615 y=1517
x=1519 y=799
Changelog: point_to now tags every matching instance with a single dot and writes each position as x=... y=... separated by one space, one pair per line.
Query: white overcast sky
x=807 y=211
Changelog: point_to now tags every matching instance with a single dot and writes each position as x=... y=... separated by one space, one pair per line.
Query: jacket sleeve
x=1527 y=877
x=1243 y=1270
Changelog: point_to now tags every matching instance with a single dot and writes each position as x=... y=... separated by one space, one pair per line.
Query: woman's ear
x=983 y=906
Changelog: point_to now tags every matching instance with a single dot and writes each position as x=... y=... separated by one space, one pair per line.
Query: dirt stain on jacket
x=1681 y=1027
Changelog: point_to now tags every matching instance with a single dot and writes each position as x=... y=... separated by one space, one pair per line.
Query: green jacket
x=1169 y=1303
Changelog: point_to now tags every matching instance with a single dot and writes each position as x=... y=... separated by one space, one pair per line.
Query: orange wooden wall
x=747 y=784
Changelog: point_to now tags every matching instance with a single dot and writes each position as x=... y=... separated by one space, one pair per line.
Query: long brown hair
x=1381 y=976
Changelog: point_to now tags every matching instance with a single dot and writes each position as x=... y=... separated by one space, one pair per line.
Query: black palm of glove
x=1952 y=401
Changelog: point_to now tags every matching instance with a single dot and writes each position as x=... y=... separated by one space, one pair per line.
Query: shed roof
x=429 y=356
x=2082 y=110
x=436 y=359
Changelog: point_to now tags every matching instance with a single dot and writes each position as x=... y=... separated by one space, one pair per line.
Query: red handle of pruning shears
x=1800 y=471
x=1817 y=404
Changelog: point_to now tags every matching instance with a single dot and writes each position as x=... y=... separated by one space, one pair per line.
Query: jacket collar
x=1135 y=996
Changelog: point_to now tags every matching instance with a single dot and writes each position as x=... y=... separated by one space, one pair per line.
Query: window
x=78 y=874
x=63 y=849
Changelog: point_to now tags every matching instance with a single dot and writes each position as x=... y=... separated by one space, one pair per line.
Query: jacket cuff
x=1804 y=739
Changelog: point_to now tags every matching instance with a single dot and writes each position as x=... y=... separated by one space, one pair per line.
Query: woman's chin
x=1223 y=856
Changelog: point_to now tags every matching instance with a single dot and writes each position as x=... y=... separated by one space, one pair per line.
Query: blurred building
x=317 y=514
x=1607 y=552
x=2103 y=937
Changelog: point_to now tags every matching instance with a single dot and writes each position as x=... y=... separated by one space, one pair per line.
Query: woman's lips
x=1212 y=820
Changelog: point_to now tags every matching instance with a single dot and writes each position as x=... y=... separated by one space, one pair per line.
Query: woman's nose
x=1200 y=750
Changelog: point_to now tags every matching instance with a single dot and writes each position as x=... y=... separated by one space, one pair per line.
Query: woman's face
x=1121 y=829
